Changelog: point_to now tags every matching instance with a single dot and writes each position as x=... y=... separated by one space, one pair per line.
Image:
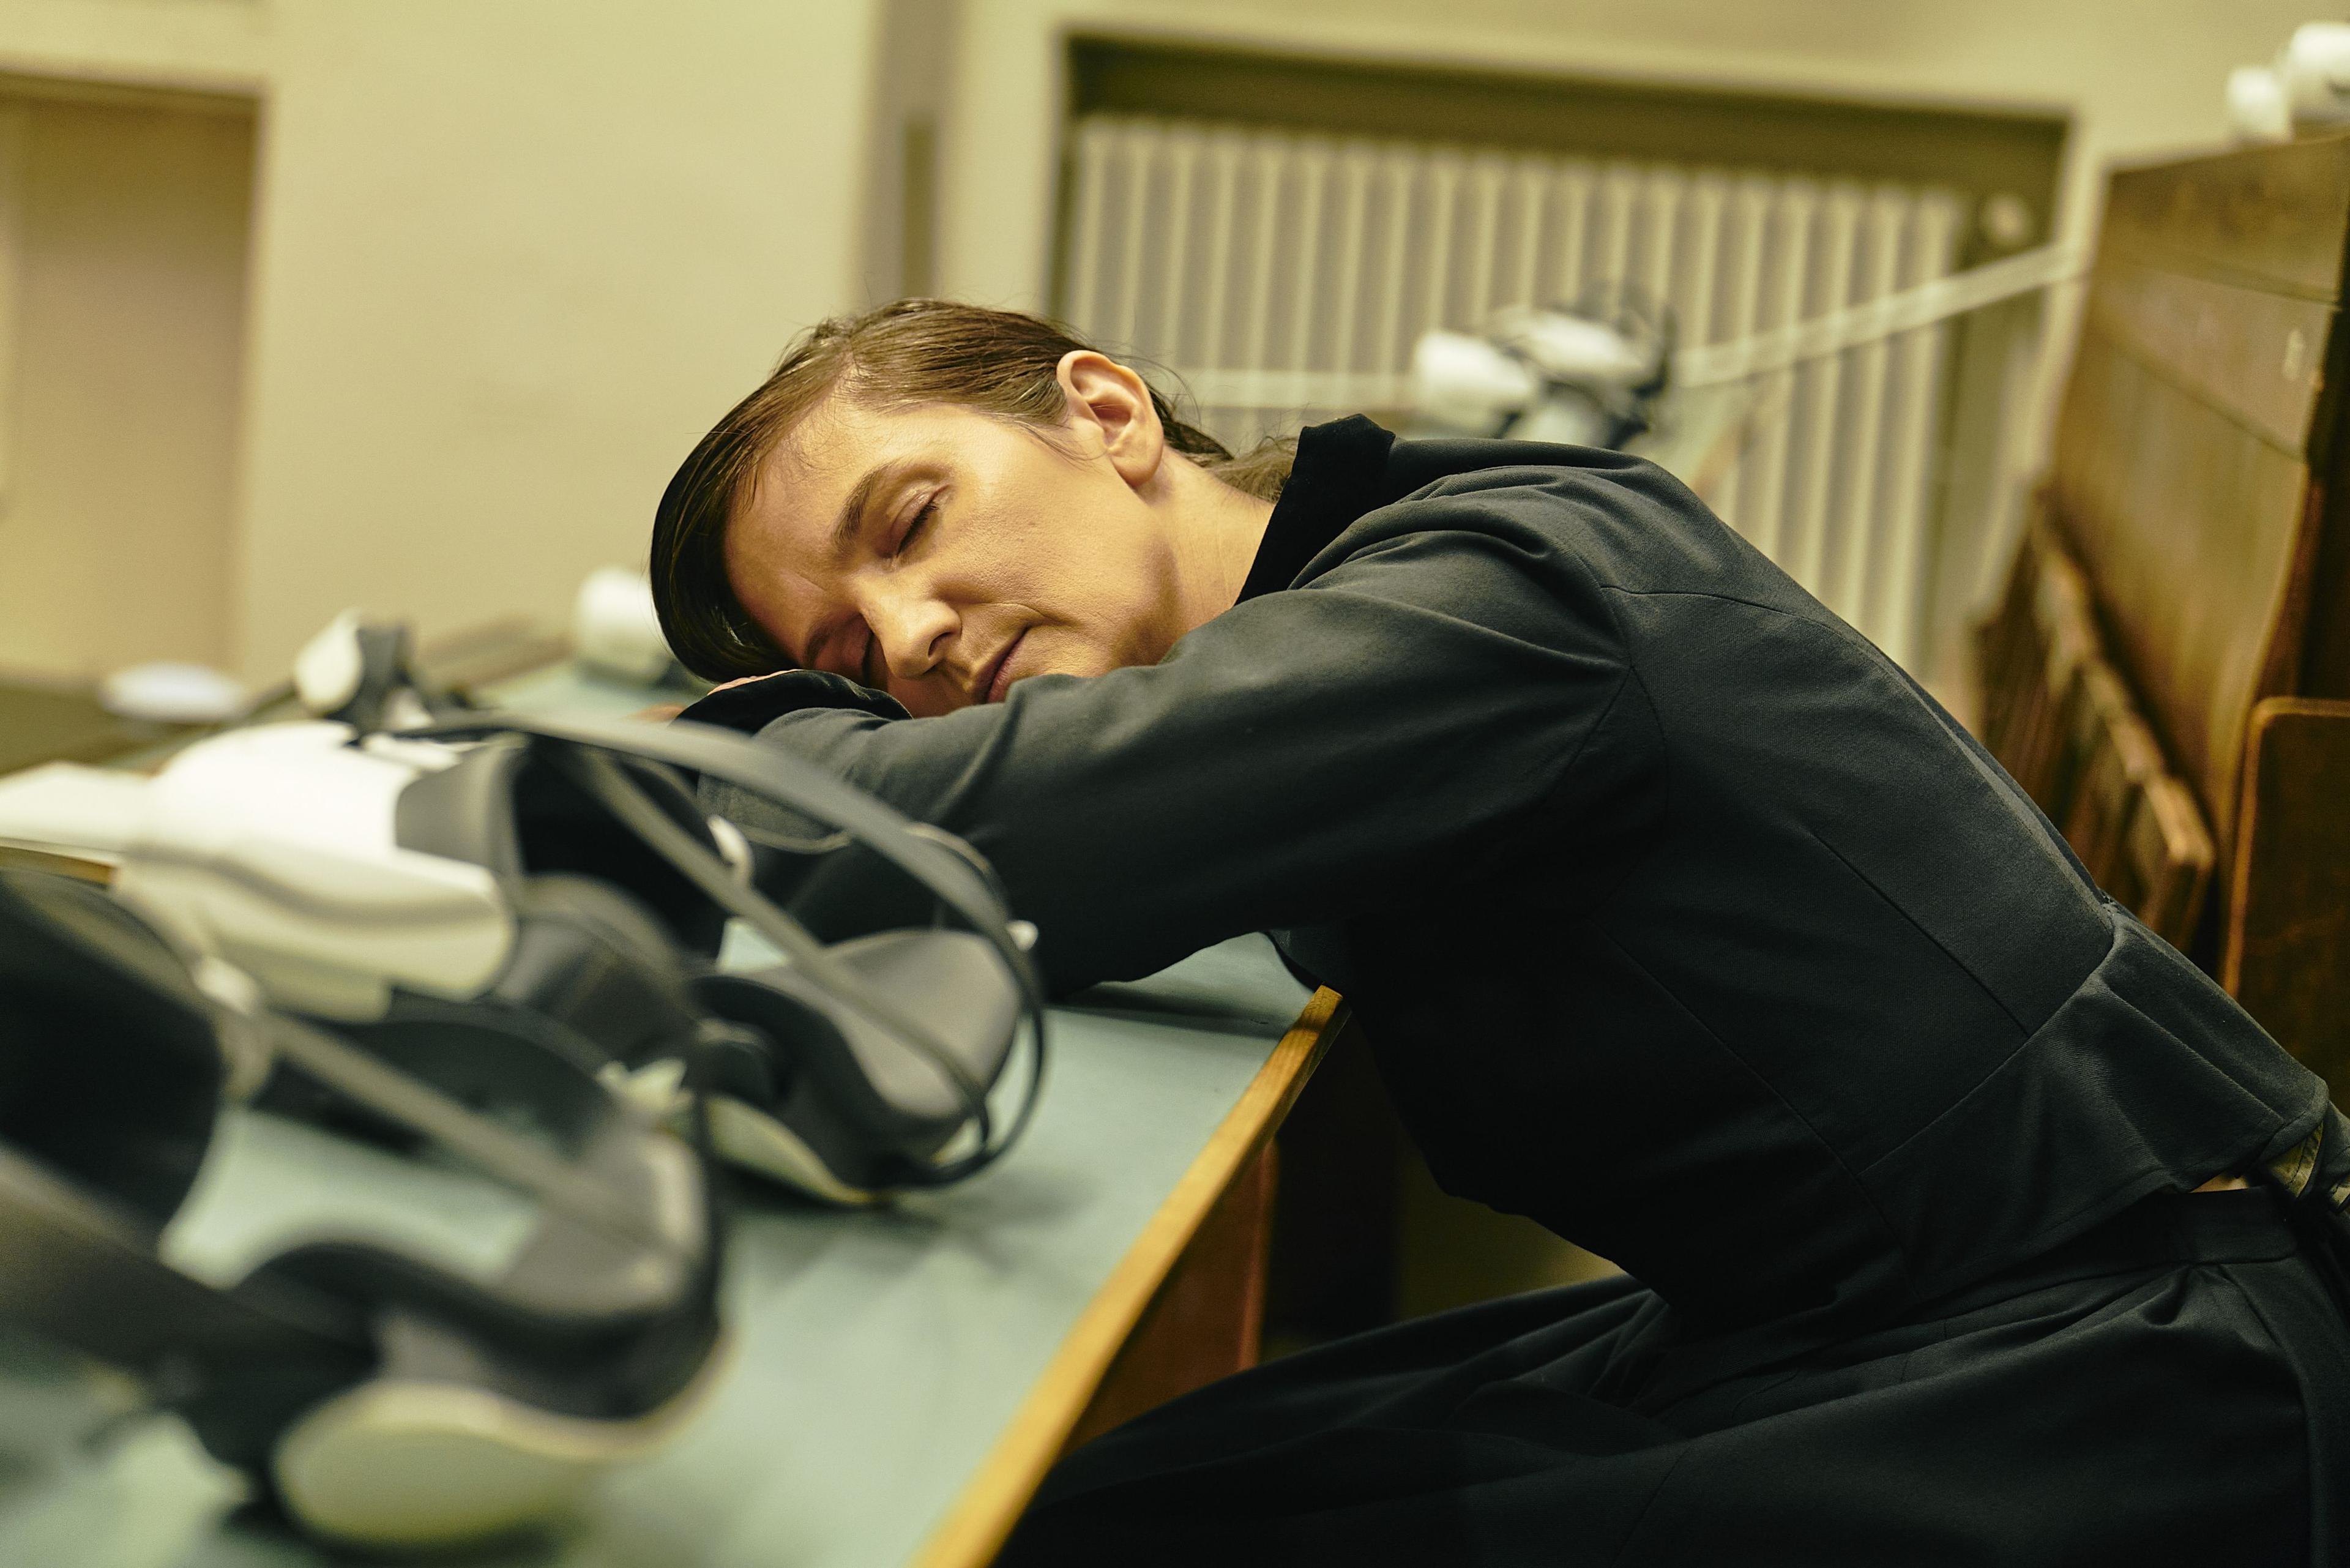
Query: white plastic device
x=1540 y=374
x=272 y=849
x=2313 y=73
x=616 y=629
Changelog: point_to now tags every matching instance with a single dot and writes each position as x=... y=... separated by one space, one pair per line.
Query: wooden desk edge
x=14 y=857
x=976 y=1527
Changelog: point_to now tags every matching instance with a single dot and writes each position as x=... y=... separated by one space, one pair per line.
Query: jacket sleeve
x=1414 y=710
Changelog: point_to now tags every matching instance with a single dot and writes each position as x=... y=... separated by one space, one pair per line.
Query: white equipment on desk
x=275 y=849
x=173 y=693
x=616 y=630
x=2257 y=110
x=1571 y=376
x=2312 y=72
x=2306 y=87
x=487 y=870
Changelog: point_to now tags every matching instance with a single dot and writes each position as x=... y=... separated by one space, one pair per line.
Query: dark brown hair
x=914 y=351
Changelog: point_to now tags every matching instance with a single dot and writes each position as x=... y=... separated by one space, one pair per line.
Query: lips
x=996 y=678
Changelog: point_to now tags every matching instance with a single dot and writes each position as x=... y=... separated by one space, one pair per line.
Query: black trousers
x=2173 y=1387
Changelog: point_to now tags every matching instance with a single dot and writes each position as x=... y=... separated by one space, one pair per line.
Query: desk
x=41 y=722
x=900 y=1379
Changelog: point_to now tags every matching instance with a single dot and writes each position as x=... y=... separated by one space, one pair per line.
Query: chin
x=1087 y=662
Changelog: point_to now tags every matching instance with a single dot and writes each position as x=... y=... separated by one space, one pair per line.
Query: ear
x=1112 y=400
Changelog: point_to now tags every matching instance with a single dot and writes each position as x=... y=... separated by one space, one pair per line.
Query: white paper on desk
x=93 y=814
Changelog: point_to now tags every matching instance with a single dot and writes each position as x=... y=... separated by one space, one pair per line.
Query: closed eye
x=922 y=520
x=868 y=663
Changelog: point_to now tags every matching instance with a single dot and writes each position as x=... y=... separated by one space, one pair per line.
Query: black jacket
x=1678 y=917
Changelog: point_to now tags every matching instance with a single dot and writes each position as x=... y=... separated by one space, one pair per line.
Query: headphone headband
x=84 y=1273
x=801 y=787
x=789 y=781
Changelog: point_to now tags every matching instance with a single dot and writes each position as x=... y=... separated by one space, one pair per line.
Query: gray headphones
x=849 y=1069
x=379 y=1397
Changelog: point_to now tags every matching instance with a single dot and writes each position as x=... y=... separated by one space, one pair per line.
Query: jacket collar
x=1351 y=466
x=1341 y=473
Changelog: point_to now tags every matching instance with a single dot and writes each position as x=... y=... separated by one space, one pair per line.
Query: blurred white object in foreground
x=1553 y=374
x=1469 y=385
x=2313 y=73
x=615 y=629
x=173 y=694
x=2257 y=110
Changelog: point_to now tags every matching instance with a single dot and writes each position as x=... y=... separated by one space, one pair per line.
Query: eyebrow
x=851 y=521
x=844 y=529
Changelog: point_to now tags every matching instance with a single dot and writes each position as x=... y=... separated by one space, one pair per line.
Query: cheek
x=1082 y=553
x=1112 y=594
x=1118 y=562
x=1148 y=608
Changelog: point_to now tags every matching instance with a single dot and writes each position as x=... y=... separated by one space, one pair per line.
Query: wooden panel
x=2254 y=356
x=2035 y=650
x=2065 y=723
x=2189 y=525
x=974 y=1528
x=14 y=859
x=2325 y=639
x=2041 y=755
x=2270 y=217
x=2005 y=641
x=2165 y=860
x=122 y=495
x=2134 y=825
x=2286 y=949
x=2193 y=452
x=2119 y=756
x=1336 y=1219
x=1208 y=1319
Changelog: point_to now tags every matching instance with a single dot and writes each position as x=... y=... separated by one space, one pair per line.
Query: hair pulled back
x=914 y=351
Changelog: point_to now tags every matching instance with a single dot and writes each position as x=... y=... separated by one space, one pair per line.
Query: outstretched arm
x=1411 y=713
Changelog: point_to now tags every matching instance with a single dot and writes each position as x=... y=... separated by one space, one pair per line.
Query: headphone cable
x=610 y=784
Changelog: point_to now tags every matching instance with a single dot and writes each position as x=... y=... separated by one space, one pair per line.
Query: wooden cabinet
x=2195 y=507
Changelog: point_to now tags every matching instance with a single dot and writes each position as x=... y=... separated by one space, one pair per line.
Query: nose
x=913 y=626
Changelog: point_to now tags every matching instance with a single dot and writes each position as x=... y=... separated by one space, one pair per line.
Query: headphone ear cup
x=561 y=830
x=431 y=1465
x=956 y=988
x=595 y=960
x=491 y=1406
x=871 y=1107
x=593 y=978
x=110 y=1064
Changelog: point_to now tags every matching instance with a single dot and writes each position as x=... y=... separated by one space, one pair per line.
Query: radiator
x=1283 y=277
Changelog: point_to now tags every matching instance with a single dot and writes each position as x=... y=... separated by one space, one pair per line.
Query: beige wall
x=117 y=524
x=912 y=64
x=511 y=257
x=221 y=46
x=514 y=256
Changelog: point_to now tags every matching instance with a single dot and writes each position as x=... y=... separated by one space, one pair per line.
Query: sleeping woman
x=1963 y=1220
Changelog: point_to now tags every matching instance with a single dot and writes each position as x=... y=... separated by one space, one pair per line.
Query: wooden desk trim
x=980 y=1519
x=15 y=857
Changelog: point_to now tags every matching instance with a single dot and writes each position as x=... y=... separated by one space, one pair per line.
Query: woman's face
x=941 y=554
